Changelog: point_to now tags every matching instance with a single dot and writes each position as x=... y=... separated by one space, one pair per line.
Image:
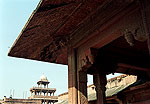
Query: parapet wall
x=63 y=96
x=21 y=101
x=121 y=80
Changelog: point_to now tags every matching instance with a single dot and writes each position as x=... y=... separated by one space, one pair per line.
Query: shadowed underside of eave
x=47 y=32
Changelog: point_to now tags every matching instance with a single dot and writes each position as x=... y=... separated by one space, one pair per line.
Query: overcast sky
x=19 y=75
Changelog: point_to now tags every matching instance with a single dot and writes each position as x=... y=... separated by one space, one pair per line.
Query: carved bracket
x=134 y=27
x=136 y=34
x=88 y=58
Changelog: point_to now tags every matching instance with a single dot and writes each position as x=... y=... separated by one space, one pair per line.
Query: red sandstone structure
x=94 y=37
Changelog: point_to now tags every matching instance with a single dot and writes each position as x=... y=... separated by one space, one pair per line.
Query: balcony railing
x=41 y=88
x=44 y=97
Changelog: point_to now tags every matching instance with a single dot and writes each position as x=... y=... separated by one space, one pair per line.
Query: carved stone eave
x=101 y=15
x=98 y=20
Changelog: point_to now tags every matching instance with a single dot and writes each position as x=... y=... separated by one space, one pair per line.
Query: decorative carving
x=129 y=37
x=49 y=52
x=88 y=58
x=139 y=35
x=136 y=34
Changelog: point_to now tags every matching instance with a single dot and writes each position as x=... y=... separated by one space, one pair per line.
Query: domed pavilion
x=43 y=92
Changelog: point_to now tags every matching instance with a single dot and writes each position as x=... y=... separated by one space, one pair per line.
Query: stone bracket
x=88 y=58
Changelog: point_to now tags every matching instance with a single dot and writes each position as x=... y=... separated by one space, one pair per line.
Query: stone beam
x=127 y=66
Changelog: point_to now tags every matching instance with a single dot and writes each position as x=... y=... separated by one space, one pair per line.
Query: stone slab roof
x=47 y=31
x=55 y=23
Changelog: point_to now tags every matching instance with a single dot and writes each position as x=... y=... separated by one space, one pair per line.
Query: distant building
x=39 y=95
x=43 y=92
x=114 y=86
x=21 y=101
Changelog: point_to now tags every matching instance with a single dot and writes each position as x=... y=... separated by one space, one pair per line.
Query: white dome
x=43 y=78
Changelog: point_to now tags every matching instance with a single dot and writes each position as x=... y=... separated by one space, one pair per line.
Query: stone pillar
x=31 y=93
x=72 y=77
x=34 y=92
x=82 y=87
x=145 y=9
x=100 y=81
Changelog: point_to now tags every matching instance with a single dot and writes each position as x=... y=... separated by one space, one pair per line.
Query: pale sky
x=17 y=74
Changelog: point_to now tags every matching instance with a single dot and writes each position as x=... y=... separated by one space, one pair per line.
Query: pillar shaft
x=77 y=79
x=82 y=87
x=31 y=93
x=34 y=92
x=72 y=77
x=145 y=8
x=99 y=79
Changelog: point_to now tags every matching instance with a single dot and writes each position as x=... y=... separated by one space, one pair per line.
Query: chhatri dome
x=43 y=78
x=43 y=81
